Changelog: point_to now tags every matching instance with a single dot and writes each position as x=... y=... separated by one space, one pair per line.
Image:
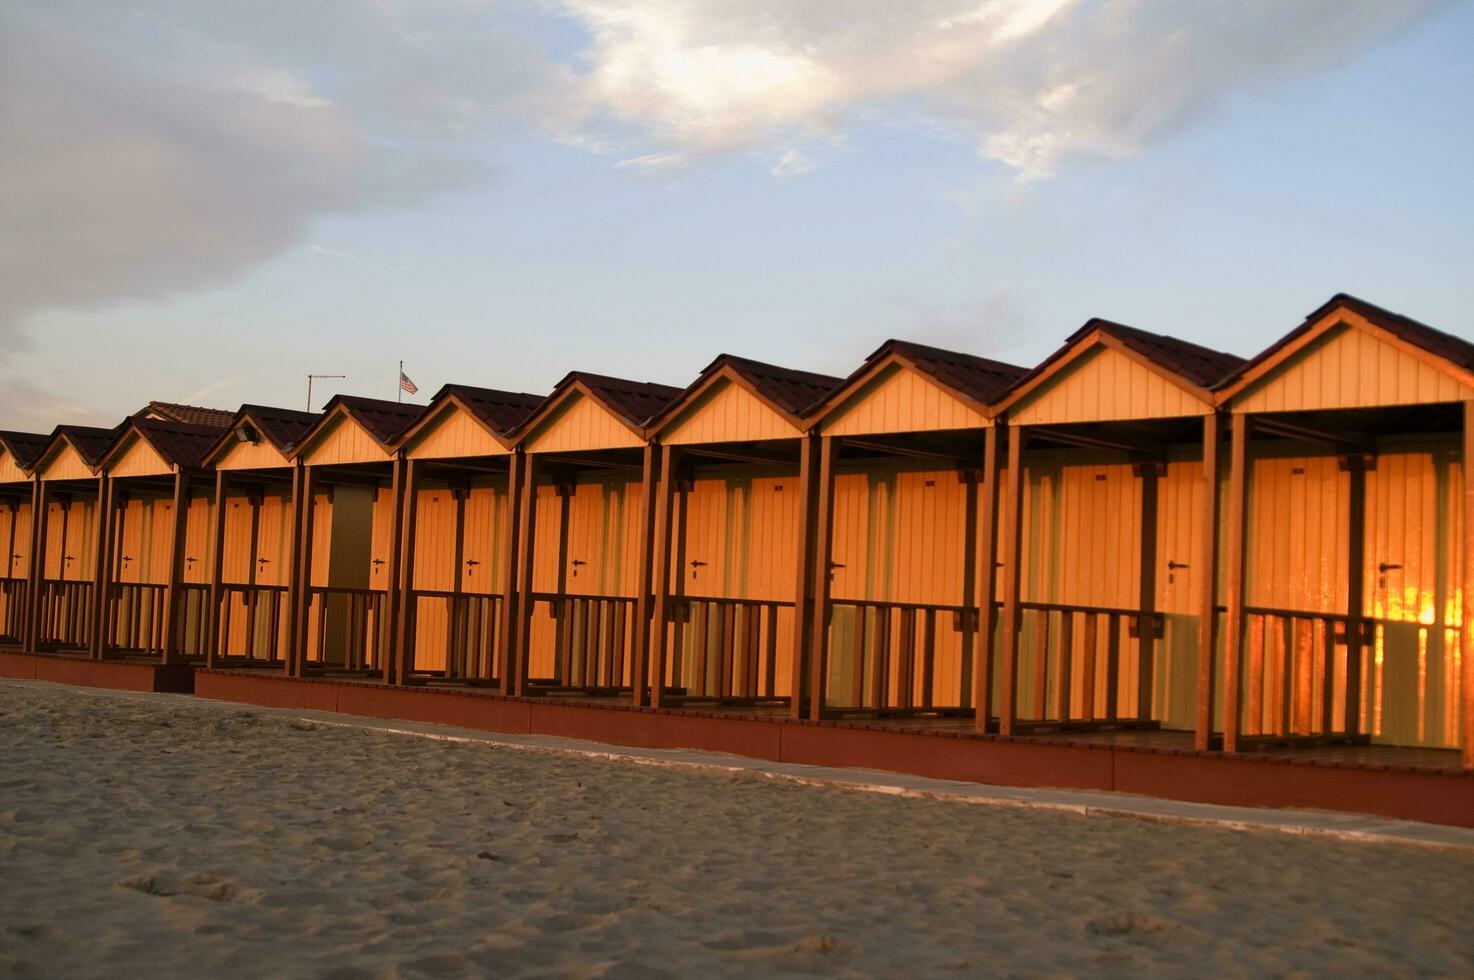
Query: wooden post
x=404 y=508
x=101 y=567
x=803 y=594
x=217 y=569
x=178 y=539
x=506 y=631
x=660 y=560
x=36 y=574
x=639 y=654
x=1233 y=628
x=1012 y=579
x=521 y=652
x=823 y=535
x=305 y=481
x=1207 y=581
x=1355 y=590
x=1466 y=593
x=987 y=584
x=1146 y=622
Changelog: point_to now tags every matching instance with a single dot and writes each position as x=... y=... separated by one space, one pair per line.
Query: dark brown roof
x=1453 y=349
x=179 y=444
x=25 y=447
x=501 y=411
x=978 y=378
x=218 y=418
x=1203 y=366
x=382 y=419
x=282 y=427
x=791 y=390
x=91 y=442
x=636 y=401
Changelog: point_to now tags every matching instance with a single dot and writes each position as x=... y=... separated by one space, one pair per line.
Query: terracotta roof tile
x=25 y=447
x=502 y=411
x=190 y=414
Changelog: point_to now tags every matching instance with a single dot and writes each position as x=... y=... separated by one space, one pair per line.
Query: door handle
x=1173 y=566
x=1386 y=566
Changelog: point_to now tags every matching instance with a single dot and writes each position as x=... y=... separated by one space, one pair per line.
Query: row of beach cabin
x=1137 y=532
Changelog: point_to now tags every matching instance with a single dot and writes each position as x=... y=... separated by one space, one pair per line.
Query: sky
x=206 y=200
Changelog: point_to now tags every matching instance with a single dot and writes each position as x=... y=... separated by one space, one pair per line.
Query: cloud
x=1034 y=84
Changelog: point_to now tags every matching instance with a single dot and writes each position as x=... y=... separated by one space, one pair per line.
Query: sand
x=170 y=838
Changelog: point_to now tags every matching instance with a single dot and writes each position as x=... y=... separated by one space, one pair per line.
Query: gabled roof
x=91 y=443
x=383 y=420
x=178 y=444
x=1190 y=365
x=500 y=411
x=24 y=447
x=282 y=427
x=1454 y=351
x=189 y=414
x=788 y=391
x=633 y=403
x=975 y=379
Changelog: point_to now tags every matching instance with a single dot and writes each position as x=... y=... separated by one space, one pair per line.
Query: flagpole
x=399 y=384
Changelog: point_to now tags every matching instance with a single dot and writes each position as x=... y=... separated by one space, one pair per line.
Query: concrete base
x=118 y=675
x=1443 y=796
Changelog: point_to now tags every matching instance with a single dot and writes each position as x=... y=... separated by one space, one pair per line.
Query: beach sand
x=168 y=838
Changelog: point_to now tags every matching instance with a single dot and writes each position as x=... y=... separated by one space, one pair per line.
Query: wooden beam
x=401 y=568
x=911 y=451
x=217 y=569
x=1206 y=580
x=1146 y=623
x=646 y=574
x=741 y=455
x=101 y=568
x=823 y=543
x=302 y=567
x=521 y=652
x=1466 y=592
x=1233 y=631
x=803 y=587
x=1136 y=450
x=987 y=585
x=1012 y=579
x=1345 y=439
x=1356 y=509
x=670 y=461
x=178 y=539
x=506 y=632
x=40 y=521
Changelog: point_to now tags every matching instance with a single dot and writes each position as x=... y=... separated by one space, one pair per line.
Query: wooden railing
x=1292 y=662
x=469 y=642
x=257 y=612
x=64 y=619
x=889 y=658
x=724 y=649
x=348 y=628
x=593 y=639
x=1071 y=663
x=13 y=595
x=135 y=616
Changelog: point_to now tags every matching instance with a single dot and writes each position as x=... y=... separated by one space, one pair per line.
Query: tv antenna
x=311 y=378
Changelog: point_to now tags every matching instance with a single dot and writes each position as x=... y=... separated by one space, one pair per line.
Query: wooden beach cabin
x=353 y=488
x=585 y=536
x=1348 y=517
x=1105 y=545
x=19 y=452
x=154 y=534
x=903 y=530
x=254 y=533
x=733 y=514
x=64 y=556
x=459 y=537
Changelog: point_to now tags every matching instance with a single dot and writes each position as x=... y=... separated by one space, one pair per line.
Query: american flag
x=406 y=385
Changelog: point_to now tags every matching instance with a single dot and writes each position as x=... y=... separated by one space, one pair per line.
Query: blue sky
x=548 y=204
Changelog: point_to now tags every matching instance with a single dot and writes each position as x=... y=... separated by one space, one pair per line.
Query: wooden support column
x=1355 y=589
x=823 y=543
x=1206 y=596
x=521 y=652
x=1012 y=558
x=987 y=586
x=40 y=520
x=213 y=639
x=178 y=538
x=660 y=562
x=102 y=569
x=1466 y=594
x=400 y=655
x=1146 y=605
x=645 y=574
x=803 y=589
x=1233 y=575
x=506 y=626
x=304 y=488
